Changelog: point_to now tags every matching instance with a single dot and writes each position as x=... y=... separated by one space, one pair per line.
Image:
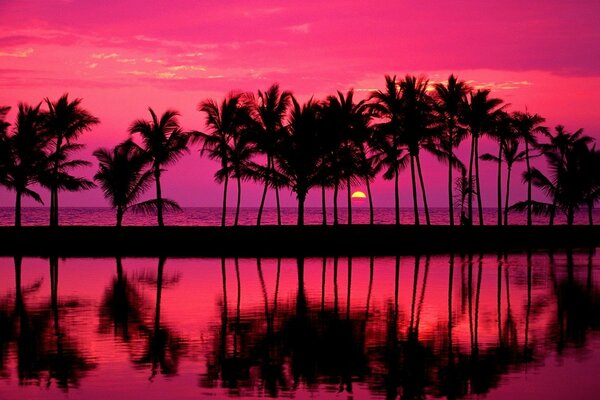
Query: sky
x=123 y=57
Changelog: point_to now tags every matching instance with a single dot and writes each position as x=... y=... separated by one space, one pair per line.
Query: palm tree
x=28 y=159
x=123 y=177
x=268 y=109
x=450 y=100
x=64 y=122
x=224 y=142
x=298 y=155
x=528 y=127
x=561 y=142
x=164 y=142
x=417 y=128
x=4 y=143
x=511 y=156
x=479 y=115
x=387 y=106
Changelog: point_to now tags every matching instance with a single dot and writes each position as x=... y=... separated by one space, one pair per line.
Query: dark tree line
x=337 y=143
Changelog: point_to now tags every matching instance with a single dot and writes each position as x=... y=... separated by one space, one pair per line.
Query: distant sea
x=207 y=216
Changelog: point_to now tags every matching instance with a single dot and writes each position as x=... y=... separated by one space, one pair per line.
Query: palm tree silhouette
x=123 y=177
x=268 y=109
x=511 y=155
x=226 y=142
x=298 y=156
x=449 y=104
x=28 y=159
x=5 y=153
x=479 y=115
x=528 y=126
x=164 y=142
x=64 y=122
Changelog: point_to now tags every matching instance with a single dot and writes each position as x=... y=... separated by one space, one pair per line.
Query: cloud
x=104 y=56
x=19 y=53
x=303 y=28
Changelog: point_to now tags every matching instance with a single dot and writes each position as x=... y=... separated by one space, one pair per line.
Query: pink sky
x=125 y=57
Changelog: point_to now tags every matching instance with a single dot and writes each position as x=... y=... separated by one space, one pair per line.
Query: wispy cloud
x=19 y=53
x=105 y=56
x=302 y=28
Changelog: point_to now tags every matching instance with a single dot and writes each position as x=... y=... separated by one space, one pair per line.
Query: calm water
x=514 y=326
x=212 y=216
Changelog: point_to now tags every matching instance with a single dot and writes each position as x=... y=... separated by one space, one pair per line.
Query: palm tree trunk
x=224 y=213
x=570 y=215
x=427 y=220
x=239 y=199
x=529 y=221
x=264 y=194
x=470 y=186
x=18 y=209
x=500 y=185
x=349 y=198
x=507 y=195
x=119 y=216
x=53 y=187
x=478 y=183
x=414 y=189
x=335 y=204
x=159 y=209
x=590 y=212
x=323 y=205
x=371 y=213
x=450 y=182
x=278 y=205
x=553 y=211
x=301 y=198
x=397 y=196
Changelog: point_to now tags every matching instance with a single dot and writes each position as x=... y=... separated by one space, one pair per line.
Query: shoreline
x=289 y=241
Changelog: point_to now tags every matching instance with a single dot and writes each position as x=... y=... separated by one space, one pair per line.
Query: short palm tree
x=164 y=142
x=450 y=99
x=528 y=127
x=226 y=123
x=124 y=177
x=28 y=159
x=268 y=109
x=64 y=122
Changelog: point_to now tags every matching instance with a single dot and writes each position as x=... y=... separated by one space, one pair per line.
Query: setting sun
x=359 y=195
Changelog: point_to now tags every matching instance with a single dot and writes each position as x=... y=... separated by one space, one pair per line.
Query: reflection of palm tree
x=164 y=142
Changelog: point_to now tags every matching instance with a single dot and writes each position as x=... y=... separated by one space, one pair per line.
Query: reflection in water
x=399 y=327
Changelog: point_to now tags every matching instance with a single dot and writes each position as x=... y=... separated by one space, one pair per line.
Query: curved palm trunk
x=414 y=189
x=264 y=193
x=478 y=183
x=323 y=205
x=470 y=178
x=278 y=205
x=397 y=196
x=224 y=213
x=119 y=216
x=427 y=220
x=239 y=199
x=371 y=212
x=507 y=195
x=450 y=182
x=349 y=199
x=335 y=204
x=159 y=206
x=529 y=220
x=500 y=185
x=18 y=209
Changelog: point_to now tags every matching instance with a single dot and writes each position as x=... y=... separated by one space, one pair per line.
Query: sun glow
x=359 y=195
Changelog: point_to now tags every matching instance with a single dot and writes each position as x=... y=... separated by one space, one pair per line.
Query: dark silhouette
x=164 y=142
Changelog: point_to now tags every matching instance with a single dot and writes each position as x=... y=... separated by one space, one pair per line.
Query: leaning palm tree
x=450 y=101
x=528 y=126
x=64 y=122
x=28 y=159
x=298 y=154
x=224 y=142
x=124 y=177
x=268 y=109
x=164 y=142
x=479 y=116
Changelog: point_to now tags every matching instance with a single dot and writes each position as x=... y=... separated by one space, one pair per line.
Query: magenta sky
x=125 y=57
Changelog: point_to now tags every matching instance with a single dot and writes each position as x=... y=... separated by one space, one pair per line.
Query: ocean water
x=202 y=216
x=509 y=326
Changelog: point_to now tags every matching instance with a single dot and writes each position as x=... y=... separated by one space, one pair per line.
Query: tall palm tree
x=560 y=142
x=4 y=143
x=417 y=128
x=450 y=101
x=64 y=122
x=511 y=156
x=124 y=177
x=164 y=142
x=479 y=115
x=298 y=155
x=268 y=109
x=28 y=159
x=225 y=142
x=528 y=126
